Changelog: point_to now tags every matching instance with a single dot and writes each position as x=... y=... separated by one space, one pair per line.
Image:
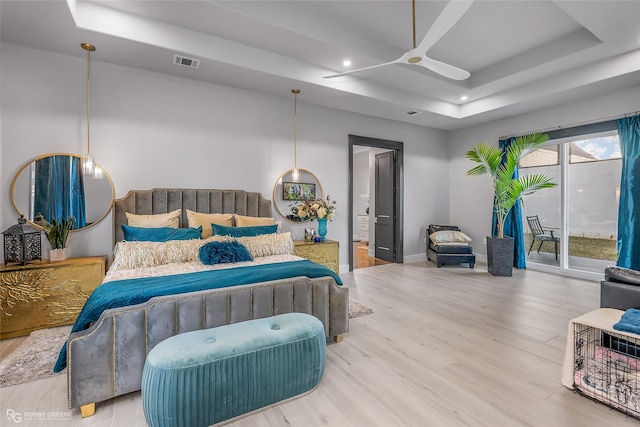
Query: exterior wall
x=593 y=192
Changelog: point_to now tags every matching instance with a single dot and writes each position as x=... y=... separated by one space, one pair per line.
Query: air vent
x=186 y=62
x=412 y=113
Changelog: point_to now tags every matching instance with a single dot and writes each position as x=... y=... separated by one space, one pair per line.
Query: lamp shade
x=22 y=243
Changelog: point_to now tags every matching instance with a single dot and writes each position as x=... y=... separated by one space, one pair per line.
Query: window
x=583 y=208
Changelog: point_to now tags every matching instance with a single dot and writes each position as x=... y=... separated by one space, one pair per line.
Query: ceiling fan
x=451 y=13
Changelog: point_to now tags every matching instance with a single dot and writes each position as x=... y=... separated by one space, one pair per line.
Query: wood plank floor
x=444 y=347
x=361 y=258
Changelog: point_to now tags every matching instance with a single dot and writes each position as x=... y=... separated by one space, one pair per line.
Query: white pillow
x=449 y=236
x=169 y=220
x=130 y=255
x=262 y=245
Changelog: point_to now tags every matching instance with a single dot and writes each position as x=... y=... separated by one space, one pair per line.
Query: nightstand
x=45 y=294
x=326 y=253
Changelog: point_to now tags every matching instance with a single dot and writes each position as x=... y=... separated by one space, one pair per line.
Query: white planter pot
x=58 y=254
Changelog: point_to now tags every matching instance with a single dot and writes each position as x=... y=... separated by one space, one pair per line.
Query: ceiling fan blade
x=446 y=70
x=359 y=69
x=452 y=12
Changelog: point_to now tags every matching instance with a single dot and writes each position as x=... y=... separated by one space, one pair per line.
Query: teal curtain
x=513 y=222
x=629 y=208
x=59 y=189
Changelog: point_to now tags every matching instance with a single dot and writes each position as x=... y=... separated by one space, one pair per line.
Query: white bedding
x=190 y=267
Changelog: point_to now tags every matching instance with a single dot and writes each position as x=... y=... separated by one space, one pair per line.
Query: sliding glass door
x=583 y=209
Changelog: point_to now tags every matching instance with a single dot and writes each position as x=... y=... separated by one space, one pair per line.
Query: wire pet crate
x=607 y=368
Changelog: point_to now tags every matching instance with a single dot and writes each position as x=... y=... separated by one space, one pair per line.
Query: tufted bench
x=207 y=376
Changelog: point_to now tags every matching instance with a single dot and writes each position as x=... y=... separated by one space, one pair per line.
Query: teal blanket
x=122 y=293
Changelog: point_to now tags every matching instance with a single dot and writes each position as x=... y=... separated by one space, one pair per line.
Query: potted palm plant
x=57 y=234
x=507 y=191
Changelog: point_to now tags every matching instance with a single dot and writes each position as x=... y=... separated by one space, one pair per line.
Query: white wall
x=152 y=130
x=471 y=197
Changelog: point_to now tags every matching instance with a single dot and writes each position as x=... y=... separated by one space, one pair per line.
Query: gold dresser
x=45 y=294
x=325 y=253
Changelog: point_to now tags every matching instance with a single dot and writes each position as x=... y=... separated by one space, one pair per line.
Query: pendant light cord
x=295 y=128
x=88 y=101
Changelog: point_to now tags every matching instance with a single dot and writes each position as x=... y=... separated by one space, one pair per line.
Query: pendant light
x=295 y=172
x=88 y=163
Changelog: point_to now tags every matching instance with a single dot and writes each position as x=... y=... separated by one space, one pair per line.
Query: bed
x=105 y=353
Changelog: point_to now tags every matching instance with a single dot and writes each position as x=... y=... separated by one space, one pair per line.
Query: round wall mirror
x=53 y=185
x=287 y=193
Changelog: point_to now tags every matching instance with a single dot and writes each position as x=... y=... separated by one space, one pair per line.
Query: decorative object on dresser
x=446 y=244
x=321 y=210
x=326 y=253
x=501 y=164
x=57 y=233
x=45 y=294
x=22 y=243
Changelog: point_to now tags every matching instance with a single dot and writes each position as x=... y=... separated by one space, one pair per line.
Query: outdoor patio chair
x=541 y=234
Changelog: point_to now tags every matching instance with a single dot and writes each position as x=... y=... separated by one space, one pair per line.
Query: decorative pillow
x=163 y=234
x=223 y=252
x=449 y=236
x=263 y=245
x=198 y=219
x=170 y=219
x=130 y=255
x=250 y=221
x=221 y=230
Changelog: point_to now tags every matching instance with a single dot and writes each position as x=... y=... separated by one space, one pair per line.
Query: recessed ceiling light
x=346 y=63
x=464 y=98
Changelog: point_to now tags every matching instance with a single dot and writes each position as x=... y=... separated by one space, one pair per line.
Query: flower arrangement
x=315 y=209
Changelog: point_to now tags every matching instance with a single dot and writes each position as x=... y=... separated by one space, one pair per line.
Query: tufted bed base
x=107 y=359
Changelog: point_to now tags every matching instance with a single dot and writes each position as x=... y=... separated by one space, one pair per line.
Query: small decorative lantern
x=22 y=243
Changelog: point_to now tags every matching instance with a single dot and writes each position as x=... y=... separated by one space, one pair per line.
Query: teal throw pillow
x=257 y=230
x=162 y=234
x=223 y=252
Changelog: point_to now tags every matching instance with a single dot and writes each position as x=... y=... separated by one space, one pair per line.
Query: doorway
x=364 y=220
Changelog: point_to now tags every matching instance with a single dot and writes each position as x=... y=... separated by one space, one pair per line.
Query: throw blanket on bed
x=122 y=293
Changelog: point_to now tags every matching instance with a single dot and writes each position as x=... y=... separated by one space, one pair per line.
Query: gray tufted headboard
x=163 y=200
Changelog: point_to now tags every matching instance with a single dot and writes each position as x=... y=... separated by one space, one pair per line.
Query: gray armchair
x=620 y=288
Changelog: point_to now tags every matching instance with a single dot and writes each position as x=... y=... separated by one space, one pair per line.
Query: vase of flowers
x=316 y=209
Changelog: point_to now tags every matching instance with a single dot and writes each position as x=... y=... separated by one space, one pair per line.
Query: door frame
x=399 y=194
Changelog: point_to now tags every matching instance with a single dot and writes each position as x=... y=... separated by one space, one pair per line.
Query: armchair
x=541 y=234
x=620 y=288
x=453 y=248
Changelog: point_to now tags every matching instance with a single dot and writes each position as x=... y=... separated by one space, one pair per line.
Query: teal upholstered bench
x=207 y=376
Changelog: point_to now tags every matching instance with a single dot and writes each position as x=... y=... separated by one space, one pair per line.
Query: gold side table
x=45 y=294
x=326 y=253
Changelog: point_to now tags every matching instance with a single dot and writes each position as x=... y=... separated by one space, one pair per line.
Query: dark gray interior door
x=385 y=207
